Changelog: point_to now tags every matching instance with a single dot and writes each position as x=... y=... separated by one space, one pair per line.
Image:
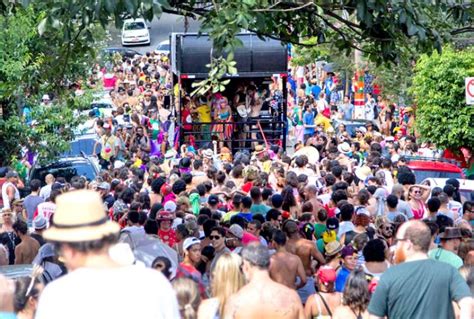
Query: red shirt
x=188 y=271
x=331 y=211
x=247 y=186
x=186 y=118
x=168 y=237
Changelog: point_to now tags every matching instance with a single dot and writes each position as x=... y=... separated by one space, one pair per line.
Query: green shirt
x=21 y=169
x=319 y=229
x=418 y=289
x=446 y=256
x=259 y=209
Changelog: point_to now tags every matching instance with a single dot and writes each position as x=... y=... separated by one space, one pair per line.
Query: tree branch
x=270 y=9
x=462 y=30
x=337 y=17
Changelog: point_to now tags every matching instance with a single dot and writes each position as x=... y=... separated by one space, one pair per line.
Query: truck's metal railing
x=244 y=133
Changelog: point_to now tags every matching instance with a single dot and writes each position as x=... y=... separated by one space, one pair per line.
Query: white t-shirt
x=119 y=293
x=45 y=191
x=46 y=209
x=6 y=200
x=325 y=198
x=455 y=208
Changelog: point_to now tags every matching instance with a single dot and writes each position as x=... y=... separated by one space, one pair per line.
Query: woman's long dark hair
x=289 y=199
x=356 y=292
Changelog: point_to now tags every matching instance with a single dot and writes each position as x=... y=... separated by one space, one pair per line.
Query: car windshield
x=468 y=195
x=101 y=105
x=85 y=145
x=422 y=175
x=65 y=169
x=134 y=26
x=163 y=47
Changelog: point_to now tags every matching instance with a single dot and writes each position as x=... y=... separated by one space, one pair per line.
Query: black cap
x=332 y=223
x=213 y=200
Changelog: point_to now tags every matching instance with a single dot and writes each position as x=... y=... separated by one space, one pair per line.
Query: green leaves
x=32 y=64
x=48 y=138
x=442 y=114
x=218 y=69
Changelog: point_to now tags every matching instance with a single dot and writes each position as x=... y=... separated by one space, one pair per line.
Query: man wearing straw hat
x=96 y=285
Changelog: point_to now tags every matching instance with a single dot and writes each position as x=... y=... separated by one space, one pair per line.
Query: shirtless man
x=307 y=251
x=285 y=267
x=262 y=298
x=253 y=101
x=311 y=195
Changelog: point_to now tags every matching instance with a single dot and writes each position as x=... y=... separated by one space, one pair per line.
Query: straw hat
x=208 y=153
x=311 y=152
x=344 y=148
x=171 y=153
x=363 y=172
x=333 y=248
x=259 y=149
x=79 y=217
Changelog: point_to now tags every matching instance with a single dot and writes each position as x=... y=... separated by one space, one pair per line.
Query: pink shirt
x=248 y=238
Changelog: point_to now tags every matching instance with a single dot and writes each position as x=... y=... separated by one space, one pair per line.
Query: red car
x=434 y=168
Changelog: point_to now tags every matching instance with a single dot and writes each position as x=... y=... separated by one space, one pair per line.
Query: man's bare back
x=316 y=205
x=285 y=267
x=304 y=249
x=264 y=299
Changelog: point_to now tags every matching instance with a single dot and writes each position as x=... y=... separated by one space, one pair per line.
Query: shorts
x=105 y=164
x=307 y=290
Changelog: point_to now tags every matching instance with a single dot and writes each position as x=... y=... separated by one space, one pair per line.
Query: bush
x=442 y=115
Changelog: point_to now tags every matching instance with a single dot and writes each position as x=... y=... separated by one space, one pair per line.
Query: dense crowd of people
x=339 y=229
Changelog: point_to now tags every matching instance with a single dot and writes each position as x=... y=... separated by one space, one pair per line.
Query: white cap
x=170 y=206
x=361 y=129
x=45 y=97
x=190 y=241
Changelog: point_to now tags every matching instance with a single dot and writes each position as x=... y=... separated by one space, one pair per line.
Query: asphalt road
x=161 y=28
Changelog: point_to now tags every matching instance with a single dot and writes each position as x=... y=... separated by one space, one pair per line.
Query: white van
x=135 y=32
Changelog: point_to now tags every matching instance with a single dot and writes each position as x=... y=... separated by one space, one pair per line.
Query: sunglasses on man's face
x=215 y=237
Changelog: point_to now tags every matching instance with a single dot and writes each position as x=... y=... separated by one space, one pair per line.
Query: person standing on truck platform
x=243 y=111
x=223 y=115
x=253 y=102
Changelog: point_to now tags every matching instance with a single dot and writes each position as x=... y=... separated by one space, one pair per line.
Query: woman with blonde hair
x=187 y=293
x=227 y=279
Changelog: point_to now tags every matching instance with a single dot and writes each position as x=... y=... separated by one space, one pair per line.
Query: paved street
x=160 y=30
